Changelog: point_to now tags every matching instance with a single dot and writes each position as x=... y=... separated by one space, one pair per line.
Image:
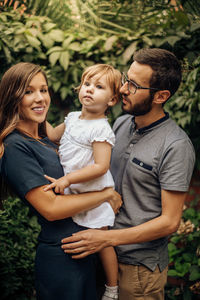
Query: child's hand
x=59 y=184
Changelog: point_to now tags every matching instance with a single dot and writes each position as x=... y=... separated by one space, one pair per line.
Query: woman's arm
x=55 y=134
x=101 y=153
x=55 y=207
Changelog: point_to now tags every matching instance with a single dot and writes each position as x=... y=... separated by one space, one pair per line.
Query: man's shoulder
x=174 y=131
x=174 y=137
x=124 y=119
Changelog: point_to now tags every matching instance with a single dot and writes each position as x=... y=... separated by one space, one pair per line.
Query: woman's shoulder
x=15 y=143
x=13 y=137
x=19 y=141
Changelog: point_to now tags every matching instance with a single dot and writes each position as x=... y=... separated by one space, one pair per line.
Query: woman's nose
x=39 y=96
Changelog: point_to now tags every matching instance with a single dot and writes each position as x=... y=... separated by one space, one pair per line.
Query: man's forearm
x=149 y=231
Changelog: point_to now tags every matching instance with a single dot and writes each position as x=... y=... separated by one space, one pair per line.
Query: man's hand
x=59 y=184
x=86 y=242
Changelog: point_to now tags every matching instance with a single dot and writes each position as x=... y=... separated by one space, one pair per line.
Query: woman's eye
x=28 y=92
x=44 y=90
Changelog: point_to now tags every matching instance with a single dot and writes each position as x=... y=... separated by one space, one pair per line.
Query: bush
x=18 y=238
x=184 y=107
x=184 y=255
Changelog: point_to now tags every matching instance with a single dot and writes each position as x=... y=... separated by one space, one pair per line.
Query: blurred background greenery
x=66 y=36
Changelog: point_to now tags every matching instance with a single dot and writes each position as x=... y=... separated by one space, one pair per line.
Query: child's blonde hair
x=113 y=77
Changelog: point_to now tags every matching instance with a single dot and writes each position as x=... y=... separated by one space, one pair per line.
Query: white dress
x=76 y=152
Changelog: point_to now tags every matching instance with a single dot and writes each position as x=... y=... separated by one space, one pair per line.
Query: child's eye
x=86 y=83
x=99 y=86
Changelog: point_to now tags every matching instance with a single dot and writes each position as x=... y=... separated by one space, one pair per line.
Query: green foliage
x=66 y=36
x=184 y=254
x=185 y=106
x=65 y=53
x=18 y=238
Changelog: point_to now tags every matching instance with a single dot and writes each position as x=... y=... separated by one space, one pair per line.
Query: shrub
x=18 y=238
x=184 y=255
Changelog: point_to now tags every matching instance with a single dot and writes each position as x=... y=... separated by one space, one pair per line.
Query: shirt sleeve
x=103 y=133
x=21 y=168
x=177 y=166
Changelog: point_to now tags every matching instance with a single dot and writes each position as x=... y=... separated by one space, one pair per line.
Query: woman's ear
x=161 y=97
x=113 y=101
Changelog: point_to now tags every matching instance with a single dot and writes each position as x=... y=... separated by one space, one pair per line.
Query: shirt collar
x=143 y=129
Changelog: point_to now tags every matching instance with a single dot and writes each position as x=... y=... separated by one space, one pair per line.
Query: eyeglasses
x=132 y=86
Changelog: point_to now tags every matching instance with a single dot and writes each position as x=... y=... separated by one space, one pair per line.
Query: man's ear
x=113 y=101
x=160 y=97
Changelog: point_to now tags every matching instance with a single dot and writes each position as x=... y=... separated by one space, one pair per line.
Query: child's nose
x=90 y=88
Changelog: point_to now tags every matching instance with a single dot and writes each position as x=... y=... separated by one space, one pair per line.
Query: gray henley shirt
x=144 y=162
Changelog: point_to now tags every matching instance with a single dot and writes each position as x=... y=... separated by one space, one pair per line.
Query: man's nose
x=124 y=88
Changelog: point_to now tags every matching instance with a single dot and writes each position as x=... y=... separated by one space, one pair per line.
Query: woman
x=27 y=155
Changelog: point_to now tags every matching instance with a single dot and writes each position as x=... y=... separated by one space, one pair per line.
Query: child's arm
x=101 y=153
x=54 y=134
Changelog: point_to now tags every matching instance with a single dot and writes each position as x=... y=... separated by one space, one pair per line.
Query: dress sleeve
x=21 y=168
x=71 y=116
x=174 y=174
x=103 y=133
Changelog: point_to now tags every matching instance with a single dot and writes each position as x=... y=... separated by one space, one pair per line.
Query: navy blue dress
x=58 y=276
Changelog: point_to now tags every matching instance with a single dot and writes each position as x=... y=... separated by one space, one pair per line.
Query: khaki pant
x=139 y=283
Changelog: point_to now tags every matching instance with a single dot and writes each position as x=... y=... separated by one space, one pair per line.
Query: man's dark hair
x=166 y=68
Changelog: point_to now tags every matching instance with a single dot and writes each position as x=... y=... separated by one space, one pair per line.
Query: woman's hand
x=114 y=199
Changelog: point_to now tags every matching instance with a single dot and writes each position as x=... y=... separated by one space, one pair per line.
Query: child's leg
x=109 y=261
x=110 y=265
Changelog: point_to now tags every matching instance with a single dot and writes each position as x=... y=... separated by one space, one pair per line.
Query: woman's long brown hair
x=13 y=86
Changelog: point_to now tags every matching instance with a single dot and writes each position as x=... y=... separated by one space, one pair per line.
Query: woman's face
x=35 y=103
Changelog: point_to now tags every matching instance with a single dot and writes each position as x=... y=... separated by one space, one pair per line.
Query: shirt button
x=141 y=164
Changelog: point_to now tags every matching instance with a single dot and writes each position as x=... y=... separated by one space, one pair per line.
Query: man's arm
x=91 y=241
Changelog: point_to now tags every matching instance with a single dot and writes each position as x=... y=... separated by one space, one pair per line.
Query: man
x=152 y=164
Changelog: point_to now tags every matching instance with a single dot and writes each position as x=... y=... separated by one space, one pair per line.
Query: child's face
x=96 y=95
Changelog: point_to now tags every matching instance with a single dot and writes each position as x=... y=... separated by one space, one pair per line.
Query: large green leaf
x=53 y=57
x=33 y=41
x=56 y=35
x=64 y=59
x=128 y=53
x=194 y=273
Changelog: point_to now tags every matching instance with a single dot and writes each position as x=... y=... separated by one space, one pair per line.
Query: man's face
x=140 y=103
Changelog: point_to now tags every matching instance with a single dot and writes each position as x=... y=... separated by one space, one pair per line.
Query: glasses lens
x=132 y=87
x=123 y=78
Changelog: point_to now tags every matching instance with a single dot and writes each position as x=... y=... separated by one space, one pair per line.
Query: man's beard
x=140 y=109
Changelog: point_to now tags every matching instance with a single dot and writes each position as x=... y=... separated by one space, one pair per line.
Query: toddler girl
x=85 y=151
